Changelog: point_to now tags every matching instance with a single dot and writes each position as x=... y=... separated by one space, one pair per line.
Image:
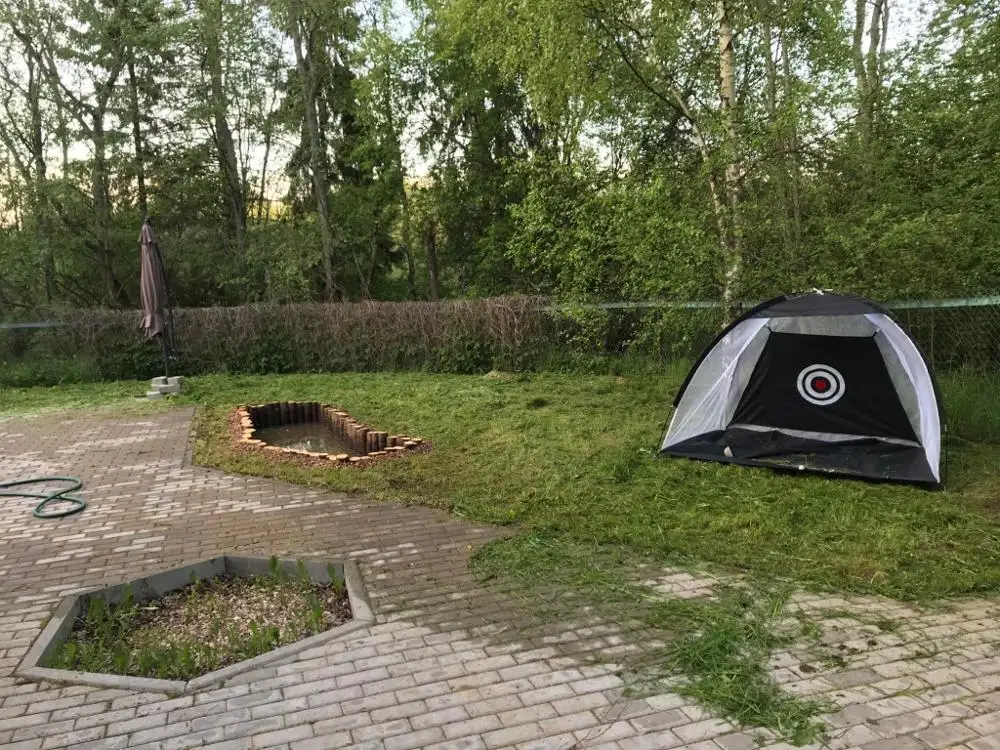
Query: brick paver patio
x=450 y=664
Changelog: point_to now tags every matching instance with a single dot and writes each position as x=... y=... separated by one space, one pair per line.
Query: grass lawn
x=570 y=460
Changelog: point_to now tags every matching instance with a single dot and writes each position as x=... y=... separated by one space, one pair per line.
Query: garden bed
x=202 y=626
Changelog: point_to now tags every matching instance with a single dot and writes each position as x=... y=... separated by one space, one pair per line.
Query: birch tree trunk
x=873 y=64
x=867 y=63
x=732 y=279
x=792 y=147
x=727 y=197
x=305 y=64
x=140 y=158
x=229 y=164
x=860 y=75
x=779 y=171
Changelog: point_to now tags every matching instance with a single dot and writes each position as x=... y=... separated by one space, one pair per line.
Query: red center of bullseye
x=821 y=385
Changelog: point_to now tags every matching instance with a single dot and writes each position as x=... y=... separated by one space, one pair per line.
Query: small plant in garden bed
x=204 y=626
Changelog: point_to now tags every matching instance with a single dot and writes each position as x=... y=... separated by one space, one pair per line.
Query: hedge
x=456 y=336
x=451 y=336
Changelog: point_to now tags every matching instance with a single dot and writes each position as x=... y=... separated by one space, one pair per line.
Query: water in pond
x=311 y=436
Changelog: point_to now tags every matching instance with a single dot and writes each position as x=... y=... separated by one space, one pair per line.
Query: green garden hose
x=76 y=503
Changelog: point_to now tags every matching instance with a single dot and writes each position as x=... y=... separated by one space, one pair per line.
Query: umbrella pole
x=168 y=318
x=166 y=358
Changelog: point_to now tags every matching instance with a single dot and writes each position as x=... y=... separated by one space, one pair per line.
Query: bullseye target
x=821 y=385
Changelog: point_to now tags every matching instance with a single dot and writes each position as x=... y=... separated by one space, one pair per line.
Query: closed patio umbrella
x=153 y=292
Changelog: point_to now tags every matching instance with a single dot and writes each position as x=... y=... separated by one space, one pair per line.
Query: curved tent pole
x=701 y=358
x=705 y=352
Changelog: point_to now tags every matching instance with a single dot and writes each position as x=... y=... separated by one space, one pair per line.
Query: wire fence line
x=460 y=336
x=955 y=337
x=917 y=304
x=954 y=333
x=30 y=326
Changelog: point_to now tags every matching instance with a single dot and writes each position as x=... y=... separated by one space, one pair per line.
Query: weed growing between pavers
x=722 y=647
x=204 y=626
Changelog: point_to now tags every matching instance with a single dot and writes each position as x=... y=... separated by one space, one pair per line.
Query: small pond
x=314 y=437
x=310 y=432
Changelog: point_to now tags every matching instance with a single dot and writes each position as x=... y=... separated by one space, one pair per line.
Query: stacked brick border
x=369 y=444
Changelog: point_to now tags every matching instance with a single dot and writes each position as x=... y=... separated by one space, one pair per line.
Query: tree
x=22 y=102
x=211 y=22
x=733 y=237
x=311 y=27
x=387 y=96
x=587 y=149
x=868 y=62
x=92 y=42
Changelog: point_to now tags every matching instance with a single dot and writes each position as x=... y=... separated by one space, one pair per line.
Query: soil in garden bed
x=201 y=627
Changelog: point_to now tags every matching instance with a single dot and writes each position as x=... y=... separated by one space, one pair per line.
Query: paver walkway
x=450 y=664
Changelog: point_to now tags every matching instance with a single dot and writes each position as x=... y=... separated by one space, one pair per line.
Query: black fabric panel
x=869 y=458
x=818 y=304
x=869 y=404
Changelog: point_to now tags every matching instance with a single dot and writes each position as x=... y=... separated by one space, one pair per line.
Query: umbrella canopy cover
x=152 y=284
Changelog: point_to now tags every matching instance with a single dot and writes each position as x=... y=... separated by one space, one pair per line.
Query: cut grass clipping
x=204 y=626
x=723 y=647
x=715 y=650
x=569 y=459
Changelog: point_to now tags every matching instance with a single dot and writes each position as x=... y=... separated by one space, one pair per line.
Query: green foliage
x=972 y=405
x=336 y=582
x=559 y=147
x=300 y=569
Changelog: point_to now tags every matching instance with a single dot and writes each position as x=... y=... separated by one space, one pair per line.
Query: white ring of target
x=807 y=388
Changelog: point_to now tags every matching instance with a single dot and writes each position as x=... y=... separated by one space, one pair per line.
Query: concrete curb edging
x=61 y=623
